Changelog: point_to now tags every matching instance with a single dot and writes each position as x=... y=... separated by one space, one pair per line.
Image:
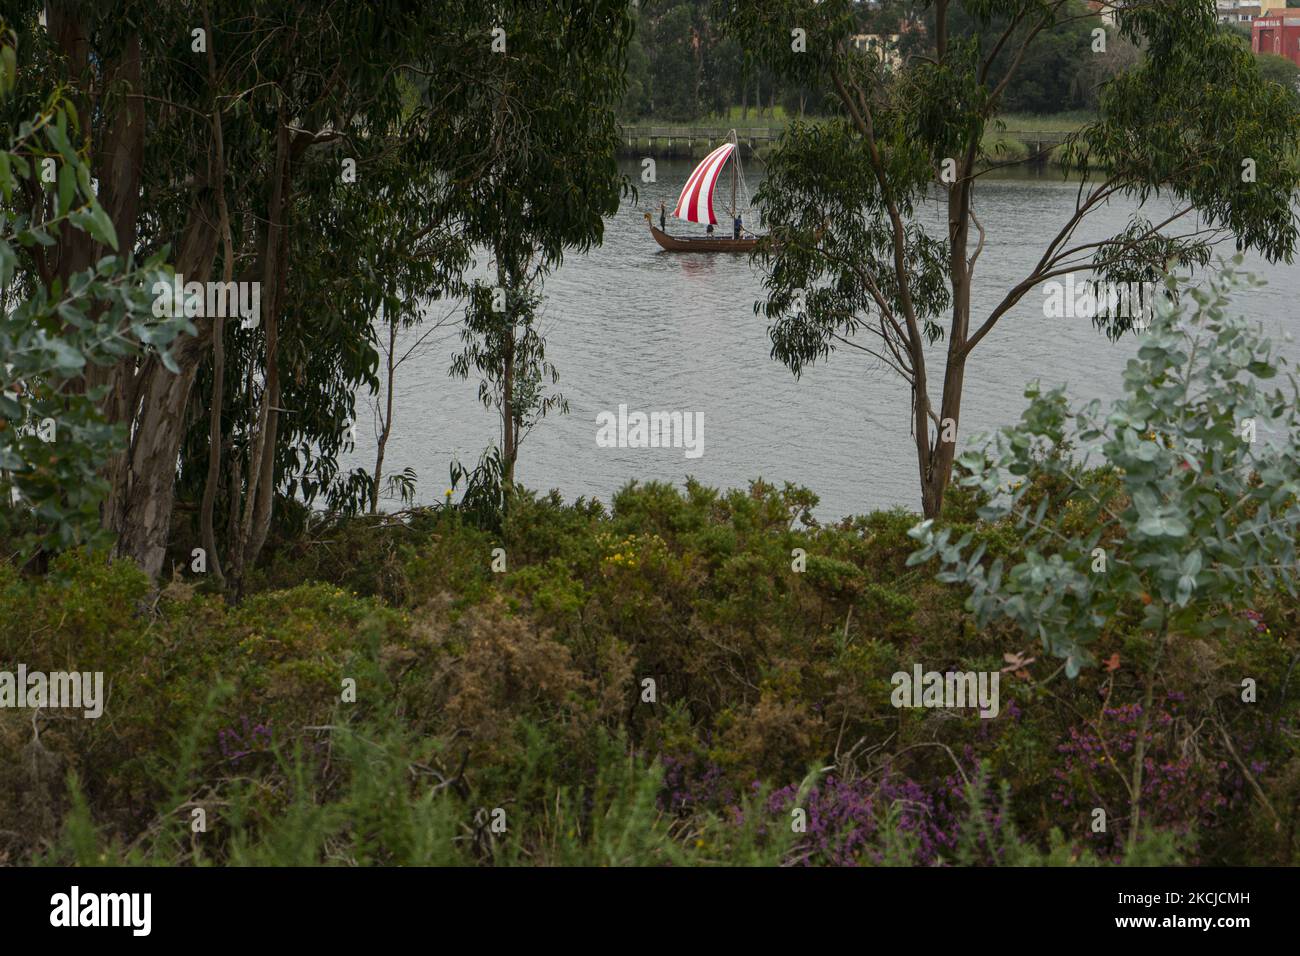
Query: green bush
x=525 y=691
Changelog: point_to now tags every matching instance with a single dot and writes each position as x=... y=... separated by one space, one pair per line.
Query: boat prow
x=702 y=244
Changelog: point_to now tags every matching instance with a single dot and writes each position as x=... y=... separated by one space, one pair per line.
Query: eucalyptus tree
x=53 y=440
x=850 y=262
x=201 y=128
x=376 y=234
x=334 y=154
x=551 y=179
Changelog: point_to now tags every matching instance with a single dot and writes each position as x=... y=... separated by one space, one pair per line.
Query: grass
x=777 y=116
x=1047 y=123
x=774 y=117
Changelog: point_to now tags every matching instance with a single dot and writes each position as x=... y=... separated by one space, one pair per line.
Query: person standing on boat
x=663 y=222
x=736 y=227
x=709 y=232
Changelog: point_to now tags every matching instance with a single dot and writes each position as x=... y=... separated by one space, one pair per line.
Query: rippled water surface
x=629 y=324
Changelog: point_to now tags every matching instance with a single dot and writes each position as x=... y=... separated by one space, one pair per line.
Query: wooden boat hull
x=677 y=244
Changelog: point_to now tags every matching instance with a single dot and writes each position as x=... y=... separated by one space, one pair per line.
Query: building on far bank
x=1239 y=11
x=887 y=46
x=1104 y=9
x=884 y=45
x=1277 y=31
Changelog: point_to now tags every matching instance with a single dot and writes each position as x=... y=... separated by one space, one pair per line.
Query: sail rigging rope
x=740 y=174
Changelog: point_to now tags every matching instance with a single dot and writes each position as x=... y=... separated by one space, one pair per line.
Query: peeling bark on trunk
x=142 y=394
x=141 y=513
x=139 y=506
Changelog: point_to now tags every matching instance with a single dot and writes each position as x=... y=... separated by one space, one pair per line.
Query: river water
x=628 y=324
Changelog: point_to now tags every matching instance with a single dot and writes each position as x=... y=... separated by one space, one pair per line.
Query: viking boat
x=696 y=205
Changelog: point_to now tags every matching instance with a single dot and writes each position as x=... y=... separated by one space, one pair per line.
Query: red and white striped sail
x=696 y=201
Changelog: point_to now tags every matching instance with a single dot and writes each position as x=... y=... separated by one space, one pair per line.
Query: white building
x=1237 y=11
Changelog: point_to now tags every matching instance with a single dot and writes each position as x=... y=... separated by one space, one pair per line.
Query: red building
x=1277 y=31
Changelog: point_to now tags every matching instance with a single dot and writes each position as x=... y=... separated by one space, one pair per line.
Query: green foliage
x=551 y=180
x=523 y=691
x=1204 y=514
x=351 y=178
x=1060 y=70
x=851 y=263
x=54 y=440
x=524 y=697
x=1197 y=147
x=1279 y=70
x=828 y=208
x=486 y=489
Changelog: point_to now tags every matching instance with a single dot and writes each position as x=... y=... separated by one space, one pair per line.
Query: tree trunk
x=386 y=424
x=259 y=503
x=207 y=530
x=139 y=504
x=510 y=450
x=936 y=465
x=699 y=73
x=931 y=498
x=936 y=470
x=140 y=508
x=142 y=395
x=266 y=479
x=234 y=495
x=218 y=178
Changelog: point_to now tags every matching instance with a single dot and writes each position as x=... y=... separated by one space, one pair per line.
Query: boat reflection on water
x=697 y=267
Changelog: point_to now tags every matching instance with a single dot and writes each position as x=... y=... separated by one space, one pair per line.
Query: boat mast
x=734 y=160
